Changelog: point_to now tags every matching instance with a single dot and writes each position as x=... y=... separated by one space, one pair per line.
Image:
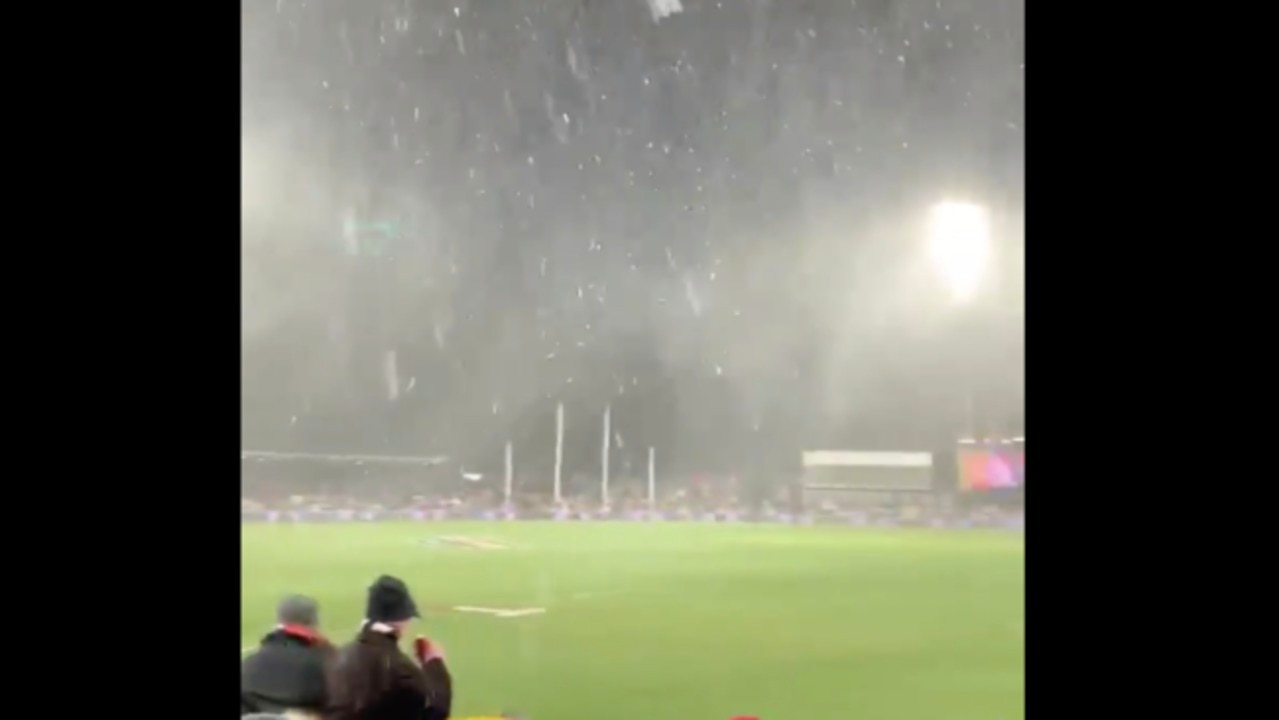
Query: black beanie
x=389 y=601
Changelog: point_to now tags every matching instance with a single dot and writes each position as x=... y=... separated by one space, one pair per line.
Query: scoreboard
x=849 y=470
x=991 y=465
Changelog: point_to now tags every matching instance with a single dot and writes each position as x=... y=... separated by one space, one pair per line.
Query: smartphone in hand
x=425 y=650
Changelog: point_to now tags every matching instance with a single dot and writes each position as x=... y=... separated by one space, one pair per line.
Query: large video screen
x=992 y=468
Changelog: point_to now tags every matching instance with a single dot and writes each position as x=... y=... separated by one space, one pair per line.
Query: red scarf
x=302 y=632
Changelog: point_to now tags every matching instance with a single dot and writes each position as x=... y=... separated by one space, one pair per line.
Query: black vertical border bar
x=132 y=538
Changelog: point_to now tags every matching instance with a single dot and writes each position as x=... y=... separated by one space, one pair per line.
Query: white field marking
x=504 y=543
x=247 y=650
x=500 y=612
x=467 y=543
x=475 y=543
x=523 y=612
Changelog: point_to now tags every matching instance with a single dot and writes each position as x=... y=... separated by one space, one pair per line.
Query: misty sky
x=457 y=214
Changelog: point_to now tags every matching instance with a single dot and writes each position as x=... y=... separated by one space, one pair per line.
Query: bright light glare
x=959 y=242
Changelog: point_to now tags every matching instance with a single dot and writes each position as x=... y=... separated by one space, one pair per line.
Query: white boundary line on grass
x=469 y=542
x=500 y=612
x=524 y=612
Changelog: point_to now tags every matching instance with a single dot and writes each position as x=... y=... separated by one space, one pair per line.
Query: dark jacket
x=373 y=680
x=286 y=673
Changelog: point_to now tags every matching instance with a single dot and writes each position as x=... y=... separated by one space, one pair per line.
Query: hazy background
x=457 y=214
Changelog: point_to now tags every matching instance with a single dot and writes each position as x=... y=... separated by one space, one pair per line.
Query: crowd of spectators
x=700 y=499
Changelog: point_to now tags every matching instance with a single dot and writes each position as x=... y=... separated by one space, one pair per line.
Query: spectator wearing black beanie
x=373 y=679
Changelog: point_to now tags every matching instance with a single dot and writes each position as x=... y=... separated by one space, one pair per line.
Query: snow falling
x=458 y=215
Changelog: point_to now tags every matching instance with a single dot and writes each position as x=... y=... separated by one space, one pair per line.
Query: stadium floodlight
x=664 y=8
x=959 y=243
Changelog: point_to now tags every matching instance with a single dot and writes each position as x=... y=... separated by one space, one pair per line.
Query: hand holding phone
x=425 y=650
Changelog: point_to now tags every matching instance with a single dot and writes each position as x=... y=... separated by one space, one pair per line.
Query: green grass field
x=682 y=622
